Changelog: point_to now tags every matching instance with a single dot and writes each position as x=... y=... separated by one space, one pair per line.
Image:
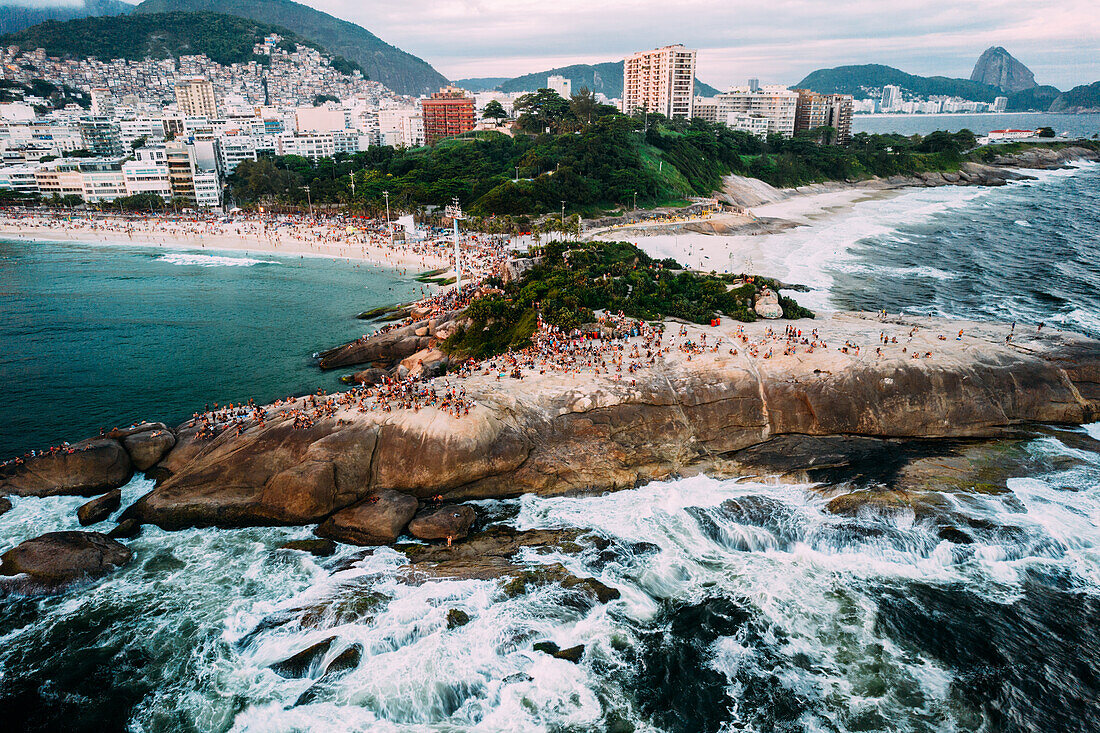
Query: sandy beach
x=413 y=257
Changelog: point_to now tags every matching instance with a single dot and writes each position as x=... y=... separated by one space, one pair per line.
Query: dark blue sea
x=746 y=604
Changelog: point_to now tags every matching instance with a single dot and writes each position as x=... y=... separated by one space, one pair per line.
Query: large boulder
x=5 y=505
x=87 y=468
x=767 y=304
x=148 y=447
x=426 y=363
x=99 y=508
x=445 y=523
x=53 y=561
x=377 y=520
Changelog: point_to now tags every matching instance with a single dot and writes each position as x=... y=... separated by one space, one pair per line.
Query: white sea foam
x=213 y=260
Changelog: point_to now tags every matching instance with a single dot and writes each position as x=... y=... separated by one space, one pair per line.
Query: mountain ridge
x=605 y=78
x=15 y=17
x=399 y=70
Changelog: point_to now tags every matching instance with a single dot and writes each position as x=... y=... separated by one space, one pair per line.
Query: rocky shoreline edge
x=371 y=477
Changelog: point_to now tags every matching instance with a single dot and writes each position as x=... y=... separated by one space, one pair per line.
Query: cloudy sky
x=775 y=40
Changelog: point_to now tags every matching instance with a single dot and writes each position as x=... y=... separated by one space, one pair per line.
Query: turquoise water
x=97 y=336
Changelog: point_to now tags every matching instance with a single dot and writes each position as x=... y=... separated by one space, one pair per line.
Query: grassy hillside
x=17 y=16
x=224 y=38
x=400 y=71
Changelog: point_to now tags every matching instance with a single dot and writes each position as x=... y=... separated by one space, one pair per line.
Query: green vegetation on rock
x=573 y=279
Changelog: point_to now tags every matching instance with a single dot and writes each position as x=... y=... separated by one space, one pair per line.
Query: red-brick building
x=447 y=113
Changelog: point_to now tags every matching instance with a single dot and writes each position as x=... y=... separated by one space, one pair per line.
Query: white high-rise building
x=775 y=104
x=561 y=85
x=662 y=80
x=891 y=97
x=1000 y=104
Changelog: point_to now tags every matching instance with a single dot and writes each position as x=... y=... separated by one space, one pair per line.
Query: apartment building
x=825 y=110
x=147 y=172
x=661 y=80
x=100 y=136
x=447 y=113
x=195 y=97
x=839 y=117
x=401 y=127
x=560 y=84
x=776 y=104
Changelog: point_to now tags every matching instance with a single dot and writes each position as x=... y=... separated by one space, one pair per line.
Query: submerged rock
x=5 y=505
x=126 y=529
x=572 y=654
x=55 y=560
x=320 y=548
x=377 y=520
x=456 y=618
x=445 y=523
x=87 y=468
x=99 y=508
x=301 y=663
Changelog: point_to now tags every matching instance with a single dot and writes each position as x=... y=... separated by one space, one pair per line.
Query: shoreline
x=394 y=259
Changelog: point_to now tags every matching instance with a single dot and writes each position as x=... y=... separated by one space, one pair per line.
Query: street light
x=563 y=214
x=388 y=225
x=310 y=200
x=635 y=200
x=517 y=175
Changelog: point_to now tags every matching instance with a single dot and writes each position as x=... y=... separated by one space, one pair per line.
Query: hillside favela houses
x=179 y=127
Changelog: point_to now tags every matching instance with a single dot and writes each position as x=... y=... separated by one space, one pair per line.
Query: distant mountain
x=15 y=16
x=480 y=83
x=398 y=70
x=224 y=38
x=1036 y=99
x=854 y=79
x=998 y=68
x=605 y=78
x=1085 y=98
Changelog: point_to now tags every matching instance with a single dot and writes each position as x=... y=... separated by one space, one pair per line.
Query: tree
x=139 y=142
x=494 y=111
x=541 y=110
x=583 y=105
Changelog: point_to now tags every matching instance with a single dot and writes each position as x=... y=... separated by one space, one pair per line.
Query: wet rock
x=456 y=618
x=125 y=530
x=533 y=577
x=301 y=663
x=320 y=548
x=450 y=522
x=5 y=505
x=55 y=560
x=572 y=654
x=99 y=508
x=92 y=467
x=377 y=520
x=882 y=500
x=148 y=447
x=345 y=661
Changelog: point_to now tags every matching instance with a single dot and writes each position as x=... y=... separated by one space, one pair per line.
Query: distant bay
x=97 y=336
x=980 y=124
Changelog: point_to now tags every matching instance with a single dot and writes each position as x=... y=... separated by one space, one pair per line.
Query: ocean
x=746 y=604
x=1087 y=126
x=97 y=336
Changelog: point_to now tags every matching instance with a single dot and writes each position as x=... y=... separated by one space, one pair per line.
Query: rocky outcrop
x=554 y=433
x=85 y=469
x=445 y=523
x=998 y=68
x=56 y=560
x=377 y=520
x=90 y=467
x=387 y=349
x=99 y=508
x=147 y=447
x=767 y=305
x=5 y=505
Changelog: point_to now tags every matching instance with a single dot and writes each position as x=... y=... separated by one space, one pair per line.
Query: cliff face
x=998 y=68
x=557 y=432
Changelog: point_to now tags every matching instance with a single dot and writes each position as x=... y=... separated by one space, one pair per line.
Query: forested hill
x=398 y=70
x=606 y=78
x=856 y=79
x=15 y=16
x=223 y=38
x=1085 y=98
